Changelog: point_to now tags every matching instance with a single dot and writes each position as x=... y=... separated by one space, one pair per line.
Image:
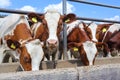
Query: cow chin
x=52 y=49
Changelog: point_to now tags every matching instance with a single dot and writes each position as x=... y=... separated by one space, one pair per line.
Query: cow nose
x=53 y=42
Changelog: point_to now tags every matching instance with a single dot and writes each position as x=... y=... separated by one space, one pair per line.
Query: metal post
x=65 y=56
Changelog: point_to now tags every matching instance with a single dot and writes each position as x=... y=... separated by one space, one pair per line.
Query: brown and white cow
x=112 y=38
x=96 y=33
x=47 y=28
x=78 y=39
x=18 y=38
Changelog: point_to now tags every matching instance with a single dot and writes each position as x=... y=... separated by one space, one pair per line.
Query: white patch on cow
x=112 y=28
x=93 y=28
x=36 y=52
x=35 y=27
x=71 y=26
x=81 y=26
x=8 y=24
x=91 y=50
x=52 y=18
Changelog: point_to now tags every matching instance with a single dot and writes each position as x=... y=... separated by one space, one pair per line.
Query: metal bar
x=65 y=56
x=97 y=20
x=96 y=4
x=16 y=11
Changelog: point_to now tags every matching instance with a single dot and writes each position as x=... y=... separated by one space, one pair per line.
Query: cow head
x=87 y=50
x=31 y=53
x=49 y=29
x=96 y=32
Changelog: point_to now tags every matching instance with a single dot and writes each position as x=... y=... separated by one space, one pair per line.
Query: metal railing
x=96 y=4
x=16 y=11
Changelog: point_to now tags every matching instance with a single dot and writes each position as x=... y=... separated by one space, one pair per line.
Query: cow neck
x=35 y=27
x=83 y=36
x=26 y=40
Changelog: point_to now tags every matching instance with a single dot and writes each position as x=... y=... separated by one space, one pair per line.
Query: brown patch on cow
x=77 y=35
x=83 y=56
x=25 y=59
x=88 y=32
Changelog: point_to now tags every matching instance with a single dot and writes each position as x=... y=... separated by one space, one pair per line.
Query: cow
x=112 y=38
x=96 y=33
x=47 y=28
x=17 y=37
x=78 y=40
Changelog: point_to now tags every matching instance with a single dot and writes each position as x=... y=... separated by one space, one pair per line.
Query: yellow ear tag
x=13 y=46
x=67 y=20
x=104 y=30
x=34 y=19
x=75 y=49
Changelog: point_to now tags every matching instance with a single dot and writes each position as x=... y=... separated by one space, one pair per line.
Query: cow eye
x=27 y=59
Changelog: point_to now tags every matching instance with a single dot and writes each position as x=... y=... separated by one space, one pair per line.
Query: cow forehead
x=93 y=27
x=91 y=50
x=35 y=50
x=52 y=18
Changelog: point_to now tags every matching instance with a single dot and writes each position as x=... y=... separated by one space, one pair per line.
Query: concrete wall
x=97 y=72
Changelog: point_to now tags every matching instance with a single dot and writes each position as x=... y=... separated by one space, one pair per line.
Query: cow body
x=20 y=39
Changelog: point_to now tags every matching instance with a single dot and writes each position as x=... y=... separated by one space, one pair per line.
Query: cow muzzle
x=52 y=43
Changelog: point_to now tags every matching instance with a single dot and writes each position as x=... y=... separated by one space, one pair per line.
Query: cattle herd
x=34 y=38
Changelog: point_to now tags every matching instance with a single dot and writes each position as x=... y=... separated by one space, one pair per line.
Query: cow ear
x=13 y=44
x=69 y=18
x=34 y=17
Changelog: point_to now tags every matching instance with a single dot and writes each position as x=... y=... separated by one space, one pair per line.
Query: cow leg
x=55 y=55
x=47 y=56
